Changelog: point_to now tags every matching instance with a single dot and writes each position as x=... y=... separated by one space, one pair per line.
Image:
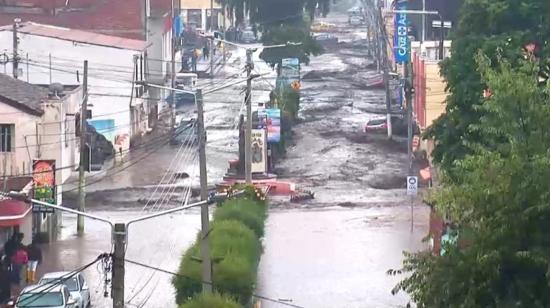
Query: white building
x=49 y=54
x=36 y=125
x=429 y=50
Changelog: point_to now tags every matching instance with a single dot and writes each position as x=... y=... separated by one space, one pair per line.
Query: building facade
x=37 y=128
x=197 y=13
x=118 y=104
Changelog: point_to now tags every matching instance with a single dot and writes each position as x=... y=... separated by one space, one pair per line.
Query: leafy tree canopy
x=500 y=196
x=500 y=28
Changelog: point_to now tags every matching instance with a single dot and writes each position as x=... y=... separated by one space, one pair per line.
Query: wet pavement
x=333 y=251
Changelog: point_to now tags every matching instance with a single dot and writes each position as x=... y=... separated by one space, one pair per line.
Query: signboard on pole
x=259 y=151
x=401 y=43
x=270 y=119
x=44 y=185
x=412 y=185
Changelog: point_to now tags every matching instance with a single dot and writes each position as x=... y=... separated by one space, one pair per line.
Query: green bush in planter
x=236 y=276
x=250 y=213
x=233 y=237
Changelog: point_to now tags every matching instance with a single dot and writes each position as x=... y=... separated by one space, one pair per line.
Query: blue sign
x=401 y=44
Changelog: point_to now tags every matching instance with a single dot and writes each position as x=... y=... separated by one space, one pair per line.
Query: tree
x=500 y=197
x=496 y=27
x=281 y=21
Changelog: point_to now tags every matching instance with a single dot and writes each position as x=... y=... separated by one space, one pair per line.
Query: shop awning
x=12 y=212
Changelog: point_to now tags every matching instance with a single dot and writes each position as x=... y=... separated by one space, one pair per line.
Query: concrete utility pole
x=15 y=61
x=212 y=39
x=223 y=26
x=423 y=22
x=206 y=264
x=119 y=238
x=408 y=99
x=385 y=63
x=83 y=149
x=248 y=131
x=173 y=70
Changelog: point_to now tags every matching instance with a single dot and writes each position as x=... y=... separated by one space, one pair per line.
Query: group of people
x=18 y=265
x=197 y=53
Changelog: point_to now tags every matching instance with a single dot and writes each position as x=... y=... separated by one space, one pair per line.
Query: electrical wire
x=208 y=282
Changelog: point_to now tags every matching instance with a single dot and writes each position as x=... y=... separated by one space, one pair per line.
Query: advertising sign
x=44 y=184
x=259 y=151
x=401 y=38
x=270 y=119
x=290 y=72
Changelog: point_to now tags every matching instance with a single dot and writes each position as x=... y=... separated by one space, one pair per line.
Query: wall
x=19 y=161
x=198 y=4
x=429 y=50
x=109 y=79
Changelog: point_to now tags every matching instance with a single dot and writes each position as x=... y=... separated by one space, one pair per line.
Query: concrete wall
x=109 y=79
x=24 y=141
x=435 y=93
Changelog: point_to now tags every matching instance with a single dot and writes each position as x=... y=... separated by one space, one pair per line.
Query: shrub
x=248 y=212
x=211 y=301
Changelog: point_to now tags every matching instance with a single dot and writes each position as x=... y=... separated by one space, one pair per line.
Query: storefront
x=15 y=216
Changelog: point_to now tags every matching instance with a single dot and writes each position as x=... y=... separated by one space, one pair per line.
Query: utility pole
x=81 y=167
x=423 y=23
x=173 y=70
x=119 y=254
x=15 y=48
x=223 y=26
x=408 y=98
x=212 y=39
x=248 y=131
x=385 y=64
x=206 y=264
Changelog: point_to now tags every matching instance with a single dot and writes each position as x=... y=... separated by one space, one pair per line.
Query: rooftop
x=22 y=95
x=78 y=36
x=113 y=17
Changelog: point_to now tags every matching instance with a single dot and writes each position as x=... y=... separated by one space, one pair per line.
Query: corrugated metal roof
x=79 y=36
x=22 y=95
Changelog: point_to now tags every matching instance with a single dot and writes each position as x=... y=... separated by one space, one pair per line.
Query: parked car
x=185 y=132
x=398 y=122
x=322 y=27
x=326 y=39
x=76 y=285
x=51 y=296
x=356 y=20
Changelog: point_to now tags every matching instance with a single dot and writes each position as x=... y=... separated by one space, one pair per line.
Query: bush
x=235 y=250
x=248 y=212
x=211 y=301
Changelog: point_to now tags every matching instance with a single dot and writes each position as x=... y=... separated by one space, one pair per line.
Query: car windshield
x=53 y=299
x=71 y=284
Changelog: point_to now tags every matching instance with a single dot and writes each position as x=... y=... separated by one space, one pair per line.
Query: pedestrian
x=10 y=246
x=205 y=52
x=18 y=262
x=5 y=286
x=35 y=258
x=194 y=58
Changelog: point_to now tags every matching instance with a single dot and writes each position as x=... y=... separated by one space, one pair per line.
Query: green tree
x=500 y=198
x=496 y=27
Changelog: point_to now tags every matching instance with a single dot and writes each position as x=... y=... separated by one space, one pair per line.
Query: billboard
x=270 y=119
x=289 y=72
x=401 y=42
x=44 y=184
x=259 y=151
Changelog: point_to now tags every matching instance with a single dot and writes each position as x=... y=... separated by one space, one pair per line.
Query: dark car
x=326 y=39
x=398 y=122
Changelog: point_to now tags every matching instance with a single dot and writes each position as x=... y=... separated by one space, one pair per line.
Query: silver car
x=76 y=285
x=48 y=295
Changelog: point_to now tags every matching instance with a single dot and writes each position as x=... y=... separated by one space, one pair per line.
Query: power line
x=207 y=282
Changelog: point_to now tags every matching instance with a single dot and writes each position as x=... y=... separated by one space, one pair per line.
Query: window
x=6 y=137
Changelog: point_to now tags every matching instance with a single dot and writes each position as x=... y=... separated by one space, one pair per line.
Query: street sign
x=412 y=185
x=37 y=208
x=401 y=36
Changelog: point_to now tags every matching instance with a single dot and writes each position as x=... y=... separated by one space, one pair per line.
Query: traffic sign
x=412 y=185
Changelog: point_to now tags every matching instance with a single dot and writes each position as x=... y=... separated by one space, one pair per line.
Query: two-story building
x=118 y=105
x=37 y=143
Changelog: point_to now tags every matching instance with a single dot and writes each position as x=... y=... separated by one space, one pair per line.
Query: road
x=329 y=252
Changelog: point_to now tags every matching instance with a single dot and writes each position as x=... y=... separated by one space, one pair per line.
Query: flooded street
x=332 y=251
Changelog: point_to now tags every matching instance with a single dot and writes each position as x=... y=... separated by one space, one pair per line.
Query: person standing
x=205 y=52
x=5 y=286
x=194 y=58
x=35 y=258
x=18 y=262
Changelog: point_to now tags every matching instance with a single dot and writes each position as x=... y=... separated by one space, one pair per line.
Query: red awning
x=12 y=212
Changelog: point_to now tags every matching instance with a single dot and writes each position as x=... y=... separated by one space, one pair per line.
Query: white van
x=186 y=81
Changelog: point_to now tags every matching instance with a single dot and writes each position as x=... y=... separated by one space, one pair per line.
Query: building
x=37 y=144
x=118 y=105
x=196 y=14
x=112 y=17
x=16 y=216
x=447 y=9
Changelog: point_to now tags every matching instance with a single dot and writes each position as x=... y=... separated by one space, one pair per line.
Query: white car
x=48 y=295
x=76 y=285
